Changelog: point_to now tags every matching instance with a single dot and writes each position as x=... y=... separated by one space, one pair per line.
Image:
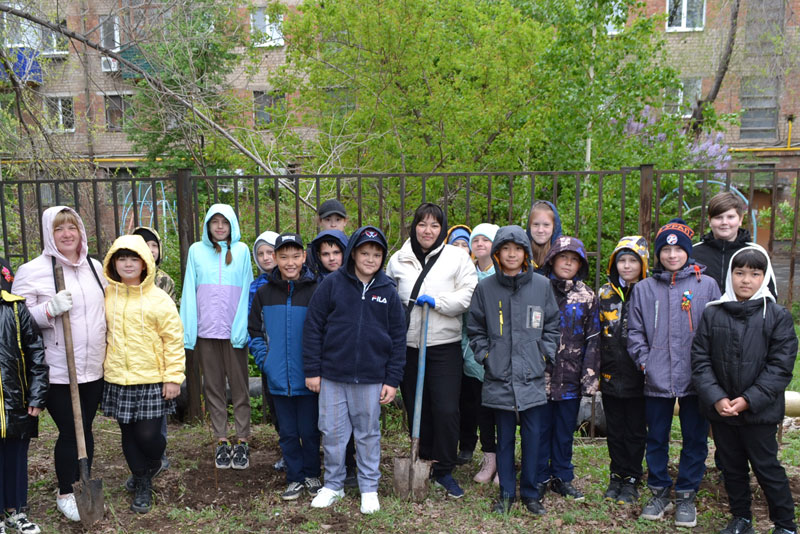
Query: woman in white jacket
x=65 y=243
x=447 y=289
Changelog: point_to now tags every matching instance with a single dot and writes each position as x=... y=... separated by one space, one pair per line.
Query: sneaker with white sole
x=68 y=507
x=222 y=456
x=326 y=497
x=293 y=491
x=313 y=485
x=685 y=510
x=20 y=523
x=241 y=456
x=370 y=503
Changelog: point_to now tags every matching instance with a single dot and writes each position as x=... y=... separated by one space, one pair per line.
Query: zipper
x=85 y=323
x=2 y=409
x=21 y=373
x=358 y=331
x=288 y=336
x=124 y=332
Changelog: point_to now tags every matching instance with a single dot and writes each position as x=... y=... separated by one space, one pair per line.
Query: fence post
x=646 y=201
x=186 y=219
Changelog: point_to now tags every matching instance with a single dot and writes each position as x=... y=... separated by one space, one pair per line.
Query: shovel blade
x=90 y=501
x=411 y=478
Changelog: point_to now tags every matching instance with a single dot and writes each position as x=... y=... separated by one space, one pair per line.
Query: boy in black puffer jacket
x=742 y=360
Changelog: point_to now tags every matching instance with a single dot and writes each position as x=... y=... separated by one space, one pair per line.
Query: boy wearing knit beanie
x=665 y=310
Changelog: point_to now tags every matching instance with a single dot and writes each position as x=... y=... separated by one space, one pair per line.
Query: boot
x=658 y=505
x=488 y=469
x=614 y=487
x=143 y=494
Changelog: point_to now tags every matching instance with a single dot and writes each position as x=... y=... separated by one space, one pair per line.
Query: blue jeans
x=694 y=448
x=299 y=435
x=530 y=429
x=555 y=449
x=14 y=474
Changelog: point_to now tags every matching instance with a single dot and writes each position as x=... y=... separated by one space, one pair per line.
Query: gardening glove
x=426 y=299
x=60 y=303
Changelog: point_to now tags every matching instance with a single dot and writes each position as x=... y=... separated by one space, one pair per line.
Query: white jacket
x=450 y=282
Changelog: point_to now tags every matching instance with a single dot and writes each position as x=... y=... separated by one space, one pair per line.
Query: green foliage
x=784 y=219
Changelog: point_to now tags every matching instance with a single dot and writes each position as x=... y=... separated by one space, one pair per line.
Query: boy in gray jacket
x=513 y=328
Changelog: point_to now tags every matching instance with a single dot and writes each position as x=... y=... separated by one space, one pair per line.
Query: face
x=481 y=246
x=154 y=249
x=566 y=265
x=333 y=222
x=629 y=268
x=266 y=257
x=330 y=256
x=725 y=226
x=428 y=229
x=290 y=261
x=672 y=257
x=541 y=227
x=130 y=269
x=511 y=258
x=746 y=281
x=68 y=239
x=219 y=227
x=460 y=243
x=367 y=258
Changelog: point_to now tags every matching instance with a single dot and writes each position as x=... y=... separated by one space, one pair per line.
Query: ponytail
x=228 y=255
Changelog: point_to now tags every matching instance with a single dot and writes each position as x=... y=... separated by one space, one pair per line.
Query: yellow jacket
x=144 y=339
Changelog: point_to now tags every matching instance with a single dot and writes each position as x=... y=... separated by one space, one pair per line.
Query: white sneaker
x=369 y=502
x=68 y=507
x=326 y=497
x=21 y=524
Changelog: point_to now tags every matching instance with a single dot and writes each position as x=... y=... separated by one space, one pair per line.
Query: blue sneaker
x=447 y=482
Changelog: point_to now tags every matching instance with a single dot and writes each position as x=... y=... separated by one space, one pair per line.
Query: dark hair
x=722 y=202
x=330 y=241
x=425 y=209
x=124 y=253
x=754 y=259
x=217 y=248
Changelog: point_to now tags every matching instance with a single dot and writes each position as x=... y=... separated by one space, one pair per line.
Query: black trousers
x=627 y=434
x=474 y=416
x=143 y=444
x=59 y=404
x=439 y=427
x=738 y=444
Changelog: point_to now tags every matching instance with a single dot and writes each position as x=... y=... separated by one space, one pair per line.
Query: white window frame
x=58 y=121
x=680 y=98
x=28 y=33
x=273 y=101
x=103 y=19
x=684 y=14
x=54 y=44
x=271 y=35
x=125 y=99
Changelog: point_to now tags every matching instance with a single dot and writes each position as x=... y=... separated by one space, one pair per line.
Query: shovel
x=411 y=474
x=88 y=493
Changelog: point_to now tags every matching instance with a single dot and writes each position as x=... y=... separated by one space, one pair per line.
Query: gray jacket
x=513 y=328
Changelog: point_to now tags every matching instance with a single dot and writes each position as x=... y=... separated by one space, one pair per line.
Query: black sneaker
x=293 y=491
x=241 y=456
x=351 y=479
x=143 y=496
x=685 y=510
x=130 y=484
x=464 y=457
x=738 y=525
x=502 y=506
x=534 y=506
x=447 y=481
x=628 y=493
x=565 y=489
x=658 y=505
x=313 y=485
x=222 y=458
x=614 y=487
x=781 y=530
x=541 y=488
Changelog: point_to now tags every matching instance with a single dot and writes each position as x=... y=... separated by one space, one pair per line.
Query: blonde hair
x=540 y=251
x=65 y=216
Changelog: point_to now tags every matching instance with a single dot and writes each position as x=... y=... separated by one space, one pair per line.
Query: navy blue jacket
x=275 y=326
x=313 y=260
x=355 y=332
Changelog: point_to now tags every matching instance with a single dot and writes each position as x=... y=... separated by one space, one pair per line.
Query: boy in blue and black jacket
x=354 y=353
x=275 y=326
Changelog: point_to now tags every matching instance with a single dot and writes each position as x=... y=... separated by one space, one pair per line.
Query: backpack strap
x=91 y=268
x=412 y=299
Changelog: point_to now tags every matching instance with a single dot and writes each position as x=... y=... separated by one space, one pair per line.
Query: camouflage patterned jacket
x=165 y=282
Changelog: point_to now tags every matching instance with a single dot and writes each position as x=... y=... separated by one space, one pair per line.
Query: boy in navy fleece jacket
x=354 y=346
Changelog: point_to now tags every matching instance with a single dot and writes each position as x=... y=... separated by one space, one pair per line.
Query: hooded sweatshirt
x=745 y=349
x=619 y=376
x=356 y=332
x=313 y=260
x=513 y=330
x=268 y=238
x=557 y=230
x=162 y=279
x=214 y=299
x=145 y=334
x=715 y=254
x=34 y=282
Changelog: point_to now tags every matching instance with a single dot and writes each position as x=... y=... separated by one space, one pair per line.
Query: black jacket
x=745 y=349
x=23 y=374
x=716 y=254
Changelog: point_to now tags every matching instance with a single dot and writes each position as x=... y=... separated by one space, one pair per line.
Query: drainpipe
x=787 y=148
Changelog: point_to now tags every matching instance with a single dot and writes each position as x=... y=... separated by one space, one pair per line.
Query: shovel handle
x=420 y=374
x=73 y=374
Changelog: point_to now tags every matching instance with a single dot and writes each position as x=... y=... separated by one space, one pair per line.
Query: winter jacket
x=162 y=279
x=35 y=282
x=716 y=254
x=145 y=334
x=269 y=238
x=6 y=275
x=355 y=332
x=513 y=330
x=275 y=325
x=450 y=282
x=661 y=327
x=214 y=299
x=577 y=363
x=619 y=375
x=313 y=261
x=23 y=371
x=557 y=231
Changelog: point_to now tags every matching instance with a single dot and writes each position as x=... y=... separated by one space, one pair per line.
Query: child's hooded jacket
x=269 y=238
x=745 y=349
x=355 y=332
x=557 y=230
x=145 y=335
x=214 y=298
x=162 y=279
x=313 y=260
x=513 y=330
x=619 y=376
x=577 y=362
x=23 y=371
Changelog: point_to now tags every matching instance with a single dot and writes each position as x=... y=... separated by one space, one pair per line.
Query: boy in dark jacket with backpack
x=513 y=330
x=742 y=360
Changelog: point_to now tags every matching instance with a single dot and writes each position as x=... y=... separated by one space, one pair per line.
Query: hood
x=227 y=212
x=158 y=240
x=358 y=238
x=513 y=234
x=763 y=291
x=49 y=241
x=459 y=229
x=313 y=249
x=557 y=231
x=566 y=243
x=638 y=245
x=742 y=237
x=139 y=246
x=267 y=237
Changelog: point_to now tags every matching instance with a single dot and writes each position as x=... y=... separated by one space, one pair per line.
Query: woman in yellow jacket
x=144 y=362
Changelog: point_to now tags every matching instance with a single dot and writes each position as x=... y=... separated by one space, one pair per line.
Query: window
x=341 y=100
x=54 y=43
x=759 y=99
x=265 y=105
x=686 y=15
x=17 y=32
x=60 y=114
x=116 y=106
x=265 y=32
x=109 y=32
x=683 y=99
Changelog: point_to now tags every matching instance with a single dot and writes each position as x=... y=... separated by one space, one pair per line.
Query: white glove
x=60 y=303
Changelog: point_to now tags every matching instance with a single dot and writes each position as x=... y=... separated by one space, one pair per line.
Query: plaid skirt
x=128 y=404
